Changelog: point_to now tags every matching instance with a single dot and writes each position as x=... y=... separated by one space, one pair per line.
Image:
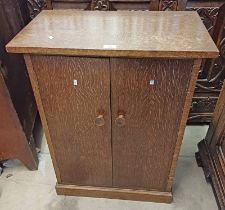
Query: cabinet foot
x=114 y=193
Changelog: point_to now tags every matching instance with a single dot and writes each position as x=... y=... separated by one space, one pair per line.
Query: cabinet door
x=75 y=93
x=148 y=96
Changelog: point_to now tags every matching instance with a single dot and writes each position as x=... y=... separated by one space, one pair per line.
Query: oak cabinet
x=114 y=107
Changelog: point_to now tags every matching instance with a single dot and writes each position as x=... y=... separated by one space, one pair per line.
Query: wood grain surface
x=185 y=110
x=83 y=149
x=143 y=149
x=116 y=33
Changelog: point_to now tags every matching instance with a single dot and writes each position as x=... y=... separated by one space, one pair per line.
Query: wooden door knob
x=120 y=121
x=99 y=121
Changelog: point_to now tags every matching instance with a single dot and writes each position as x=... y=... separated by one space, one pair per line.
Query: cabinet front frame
x=112 y=192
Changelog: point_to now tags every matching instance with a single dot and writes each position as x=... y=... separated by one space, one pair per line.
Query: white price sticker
x=75 y=82
x=109 y=46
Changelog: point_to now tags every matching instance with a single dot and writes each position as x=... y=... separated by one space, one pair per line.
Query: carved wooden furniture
x=17 y=105
x=211 y=154
x=106 y=93
x=210 y=76
x=13 y=142
x=212 y=72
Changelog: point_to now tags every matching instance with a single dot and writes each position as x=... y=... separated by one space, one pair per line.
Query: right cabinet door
x=147 y=100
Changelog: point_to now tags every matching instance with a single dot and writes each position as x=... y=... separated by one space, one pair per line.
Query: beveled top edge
x=113 y=53
x=131 y=40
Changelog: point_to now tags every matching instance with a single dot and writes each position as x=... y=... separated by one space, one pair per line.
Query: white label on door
x=75 y=82
x=151 y=82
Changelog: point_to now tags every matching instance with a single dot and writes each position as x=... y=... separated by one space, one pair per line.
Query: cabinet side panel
x=150 y=93
x=185 y=112
x=74 y=91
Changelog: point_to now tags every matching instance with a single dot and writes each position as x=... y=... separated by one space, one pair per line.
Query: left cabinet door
x=75 y=93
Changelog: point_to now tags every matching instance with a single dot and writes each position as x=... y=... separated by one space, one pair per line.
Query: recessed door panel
x=148 y=97
x=75 y=93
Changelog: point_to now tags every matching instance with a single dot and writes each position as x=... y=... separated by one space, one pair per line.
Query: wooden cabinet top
x=116 y=33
